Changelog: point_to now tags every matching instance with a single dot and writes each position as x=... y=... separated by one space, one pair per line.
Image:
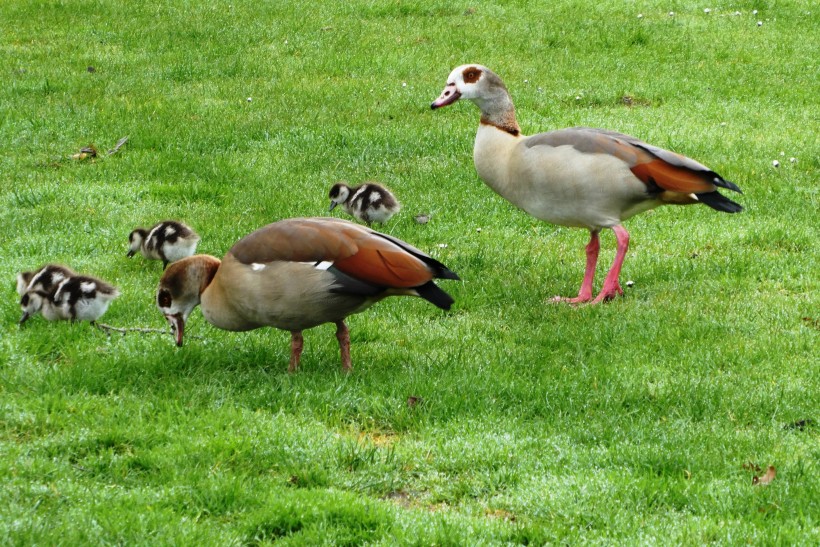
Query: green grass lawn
x=507 y=420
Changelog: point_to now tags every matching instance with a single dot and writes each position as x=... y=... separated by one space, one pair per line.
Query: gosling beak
x=25 y=317
x=333 y=204
x=131 y=253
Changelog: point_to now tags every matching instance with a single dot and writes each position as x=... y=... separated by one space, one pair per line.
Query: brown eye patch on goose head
x=164 y=299
x=471 y=75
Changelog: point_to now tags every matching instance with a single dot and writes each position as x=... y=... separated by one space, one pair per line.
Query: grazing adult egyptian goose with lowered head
x=167 y=240
x=369 y=202
x=75 y=298
x=296 y=274
x=580 y=177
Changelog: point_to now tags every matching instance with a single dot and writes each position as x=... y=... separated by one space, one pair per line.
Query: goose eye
x=164 y=299
x=471 y=75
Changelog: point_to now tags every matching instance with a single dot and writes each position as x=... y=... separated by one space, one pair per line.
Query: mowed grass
x=507 y=420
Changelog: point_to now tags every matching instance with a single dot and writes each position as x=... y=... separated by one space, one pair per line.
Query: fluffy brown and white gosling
x=75 y=298
x=369 y=202
x=168 y=241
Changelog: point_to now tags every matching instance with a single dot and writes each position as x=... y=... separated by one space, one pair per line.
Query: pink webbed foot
x=612 y=287
x=608 y=294
x=580 y=299
x=585 y=294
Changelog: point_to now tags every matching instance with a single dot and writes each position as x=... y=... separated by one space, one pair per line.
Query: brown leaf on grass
x=413 y=401
x=812 y=322
x=85 y=153
x=119 y=145
x=502 y=514
x=771 y=472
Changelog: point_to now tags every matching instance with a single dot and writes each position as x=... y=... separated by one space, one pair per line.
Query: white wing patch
x=88 y=286
x=257 y=267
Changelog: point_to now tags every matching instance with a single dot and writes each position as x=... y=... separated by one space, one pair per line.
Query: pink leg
x=585 y=294
x=611 y=287
x=296 y=344
x=343 y=336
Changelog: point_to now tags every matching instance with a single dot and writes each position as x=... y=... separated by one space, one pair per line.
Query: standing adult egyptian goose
x=167 y=240
x=296 y=274
x=580 y=177
x=75 y=298
x=369 y=202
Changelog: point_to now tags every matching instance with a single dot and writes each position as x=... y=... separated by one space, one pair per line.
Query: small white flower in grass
x=404 y=84
x=707 y=10
x=775 y=163
x=640 y=16
x=630 y=283
x=760 y=23
x=478 y=230
x=754 y=12
x=442 y=245
x=577 y=97
x=250 y=99
x=782 y=153
x=671 y=14
x=793 y=160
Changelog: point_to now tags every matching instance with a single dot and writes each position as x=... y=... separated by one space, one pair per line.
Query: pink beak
x=178 y=326
x=448 y=96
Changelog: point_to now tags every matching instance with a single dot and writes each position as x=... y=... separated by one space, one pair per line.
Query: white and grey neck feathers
x=487 y=91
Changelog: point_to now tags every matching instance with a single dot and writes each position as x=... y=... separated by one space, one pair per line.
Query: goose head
x=135 y=241
x=339 y=193
x=181 y=287
x=475 y=83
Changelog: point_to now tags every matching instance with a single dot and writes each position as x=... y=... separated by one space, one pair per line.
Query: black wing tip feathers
x=723 y=183
x=446 y=273
x=435 y=295
x=719 y=202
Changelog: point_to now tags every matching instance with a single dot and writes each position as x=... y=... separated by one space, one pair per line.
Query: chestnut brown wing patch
x=354 y=250
x=385 y=267
x=298 y=240
x=675 y=179
x=659 y=169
